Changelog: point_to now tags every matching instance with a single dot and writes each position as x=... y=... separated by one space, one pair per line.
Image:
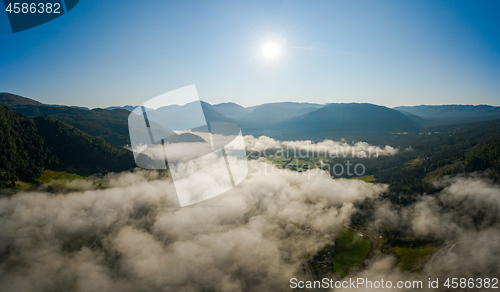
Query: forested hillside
x=111 y=125
x=10 y=100
x=23 y=154
x=76 y=149
x=29 y=146
x=484 y=156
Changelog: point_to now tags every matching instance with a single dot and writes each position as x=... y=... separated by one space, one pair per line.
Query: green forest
x=31 y=145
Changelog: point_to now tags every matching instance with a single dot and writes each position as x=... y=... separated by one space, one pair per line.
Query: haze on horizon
x=385 y=53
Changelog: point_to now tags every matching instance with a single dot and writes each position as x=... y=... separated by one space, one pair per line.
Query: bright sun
x=271 y=51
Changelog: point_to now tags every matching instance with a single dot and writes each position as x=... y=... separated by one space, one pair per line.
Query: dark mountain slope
x=110 y=125
x=22 y=152
x=451 y=111
x=10 y=100
x=270 y=113
x=342 y=120
x=212 y=115
x=28 y=146
x=437 y=115
x=357 y=117
x=76 y=149
x=184 y=117
x=484 y=156
x=232 y=110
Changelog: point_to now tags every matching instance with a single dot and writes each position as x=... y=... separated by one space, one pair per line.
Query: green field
x=50 y=175
x=412 y=259
x=444 y=170
x=366 y=178
x=54 y=179
x=278 y=161
x=351 y=251
x=23 y=186
x=415 y=162
x=298 y=164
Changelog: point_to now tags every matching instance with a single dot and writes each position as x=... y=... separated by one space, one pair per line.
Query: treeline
x=110 y=125
x=484 y=156
x=438 y=151
x=76 y=149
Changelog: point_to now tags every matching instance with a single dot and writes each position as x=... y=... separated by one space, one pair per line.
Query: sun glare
x=271 y=51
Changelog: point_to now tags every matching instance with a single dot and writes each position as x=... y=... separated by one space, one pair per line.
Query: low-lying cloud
x=133 y=236
x=464 y=215
x=327 y=147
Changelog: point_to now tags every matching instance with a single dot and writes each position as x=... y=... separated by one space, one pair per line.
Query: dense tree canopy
x=29 y=146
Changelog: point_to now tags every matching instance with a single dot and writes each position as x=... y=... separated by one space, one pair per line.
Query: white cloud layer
x=134 y=237
x=332 y=148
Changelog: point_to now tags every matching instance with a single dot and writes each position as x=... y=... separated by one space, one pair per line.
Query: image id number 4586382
x=33 y=8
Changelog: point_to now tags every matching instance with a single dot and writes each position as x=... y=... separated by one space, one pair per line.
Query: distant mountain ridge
x=451 y=110
x=126 y=107
x=72 y=106
x=343 y=120
x=280 y=120
x=436 y=115
x=270 y=113
x=232 y=110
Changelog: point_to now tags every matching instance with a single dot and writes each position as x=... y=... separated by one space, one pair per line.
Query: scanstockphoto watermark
x=312 y=159
x=204 y=156
x=359 y=283
x=310 y=150
x=365 y=283
x=336 y=170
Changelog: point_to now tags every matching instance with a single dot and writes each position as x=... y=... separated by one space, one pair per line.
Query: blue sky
x=391 y=53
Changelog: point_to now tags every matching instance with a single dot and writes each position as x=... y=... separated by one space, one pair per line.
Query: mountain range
x=451 y=110
x=435 y=115
x=281 y=120
x=342 y=120
x=35 y=136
